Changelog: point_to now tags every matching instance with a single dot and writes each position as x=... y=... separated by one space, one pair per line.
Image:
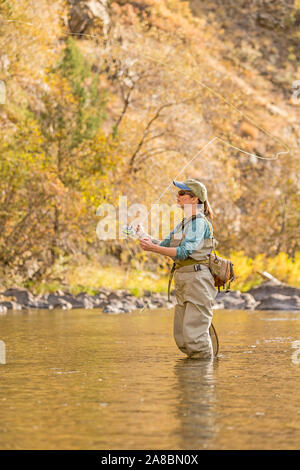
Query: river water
x=82 y=379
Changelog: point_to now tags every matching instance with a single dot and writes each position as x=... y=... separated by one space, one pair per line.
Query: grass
x=89 y=276
x=136 y=281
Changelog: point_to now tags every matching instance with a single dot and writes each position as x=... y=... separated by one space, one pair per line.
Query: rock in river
x=267 y=296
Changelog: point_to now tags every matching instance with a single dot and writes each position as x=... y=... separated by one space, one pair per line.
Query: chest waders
x=195 y=292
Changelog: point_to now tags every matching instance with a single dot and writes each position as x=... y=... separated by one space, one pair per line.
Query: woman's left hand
x=147 y=245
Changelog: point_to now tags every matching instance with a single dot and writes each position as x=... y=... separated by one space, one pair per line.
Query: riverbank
x=268 y=296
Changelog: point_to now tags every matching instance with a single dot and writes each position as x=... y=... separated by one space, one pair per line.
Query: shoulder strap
x=193 y=217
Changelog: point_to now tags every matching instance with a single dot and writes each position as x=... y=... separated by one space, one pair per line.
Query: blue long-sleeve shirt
x=195 y=232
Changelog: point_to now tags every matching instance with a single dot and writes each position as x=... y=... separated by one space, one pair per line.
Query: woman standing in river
x=189 y=245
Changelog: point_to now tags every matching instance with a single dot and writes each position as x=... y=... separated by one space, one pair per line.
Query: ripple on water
x=80 y=380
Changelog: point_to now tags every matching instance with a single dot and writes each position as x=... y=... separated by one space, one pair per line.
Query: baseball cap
x=195 y=186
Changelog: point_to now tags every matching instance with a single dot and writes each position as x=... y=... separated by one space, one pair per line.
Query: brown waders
x=195 y=294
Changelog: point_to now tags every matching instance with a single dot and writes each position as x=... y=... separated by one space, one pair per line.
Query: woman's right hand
x=147 y=245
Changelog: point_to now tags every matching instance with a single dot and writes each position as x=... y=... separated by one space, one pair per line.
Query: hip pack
x=222 y=271
x=220 y=268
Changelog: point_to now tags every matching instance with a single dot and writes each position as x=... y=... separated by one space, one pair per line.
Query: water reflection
x=86 y=380
x=195 y=407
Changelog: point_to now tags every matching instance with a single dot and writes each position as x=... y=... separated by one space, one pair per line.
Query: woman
x=190 y=245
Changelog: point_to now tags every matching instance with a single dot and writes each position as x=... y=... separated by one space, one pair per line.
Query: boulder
x=268 y=288
x=113 y=307
x=3 y=308
x=235 y=300
x=84 y=12
x=139 y=303
x=6 y=306
x=218 y=306
x=87 y=300
x=250 y=302
x=22 y=295
x=36 y=304
x=79 y=18
x=10 y=305
x=128 y=307
x=58 y=302
x=279 y=302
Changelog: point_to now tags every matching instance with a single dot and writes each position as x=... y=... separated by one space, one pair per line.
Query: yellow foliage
x=160 y=60
x=91 y=277
x=282 y=267
x=83 y=275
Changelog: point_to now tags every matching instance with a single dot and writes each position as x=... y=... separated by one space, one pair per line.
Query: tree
x=58 y=162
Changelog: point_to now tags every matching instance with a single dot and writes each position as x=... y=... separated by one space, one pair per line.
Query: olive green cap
x=195 y=186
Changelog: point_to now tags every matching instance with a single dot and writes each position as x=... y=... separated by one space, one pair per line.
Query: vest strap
x=190 y=261
x=170 y=279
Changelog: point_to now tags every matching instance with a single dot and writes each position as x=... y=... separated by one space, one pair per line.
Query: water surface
x=82 y=379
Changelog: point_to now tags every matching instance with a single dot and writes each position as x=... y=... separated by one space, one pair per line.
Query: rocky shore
x=268 y=296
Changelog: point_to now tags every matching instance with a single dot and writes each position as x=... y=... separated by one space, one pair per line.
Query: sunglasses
x=182 y=192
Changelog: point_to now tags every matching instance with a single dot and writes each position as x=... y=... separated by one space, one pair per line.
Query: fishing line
x=163 y=63
x=221 y=97
x=213 y=140
x=192 y=159
x=202 y=84
x=181 y=171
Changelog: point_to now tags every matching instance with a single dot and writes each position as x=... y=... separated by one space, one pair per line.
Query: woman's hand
x=141 y=232
x=147 y=245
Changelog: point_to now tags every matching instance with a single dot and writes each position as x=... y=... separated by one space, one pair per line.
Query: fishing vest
x=200 y=253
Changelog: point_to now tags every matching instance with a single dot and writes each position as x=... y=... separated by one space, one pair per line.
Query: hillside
x=115 y=98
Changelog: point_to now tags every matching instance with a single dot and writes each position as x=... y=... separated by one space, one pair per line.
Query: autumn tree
x=58 y=162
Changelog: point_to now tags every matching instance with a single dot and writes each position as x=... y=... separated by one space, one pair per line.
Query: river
x=81 y=379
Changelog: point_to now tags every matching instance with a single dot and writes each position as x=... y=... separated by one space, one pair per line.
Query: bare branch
x=144 y=139
x=146 y=132
x=126 y=104
x=142 y=160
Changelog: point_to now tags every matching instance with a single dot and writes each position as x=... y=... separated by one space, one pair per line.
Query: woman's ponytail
x=208 y=210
